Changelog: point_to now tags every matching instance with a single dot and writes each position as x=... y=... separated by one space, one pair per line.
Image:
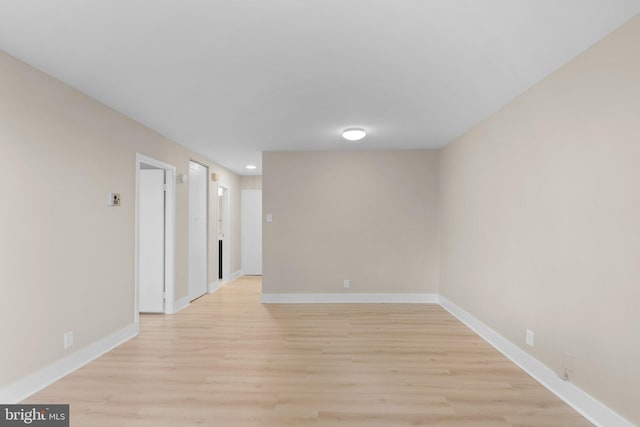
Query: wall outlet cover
x=529 y=338
x=567 y=362
x=68 y=339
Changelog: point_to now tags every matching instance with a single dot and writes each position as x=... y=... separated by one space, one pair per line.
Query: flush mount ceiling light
x=354 y=134
x=251 y=167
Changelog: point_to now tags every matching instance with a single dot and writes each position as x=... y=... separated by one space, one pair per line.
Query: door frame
x=226 y=242
x=169 y=233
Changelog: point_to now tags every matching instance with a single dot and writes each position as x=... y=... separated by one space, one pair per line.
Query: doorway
x=251 y=232
x=224 y=237
x=198 y=229
x=155 y=236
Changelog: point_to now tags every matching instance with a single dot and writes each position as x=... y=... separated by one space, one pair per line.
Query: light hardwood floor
x=229 y=361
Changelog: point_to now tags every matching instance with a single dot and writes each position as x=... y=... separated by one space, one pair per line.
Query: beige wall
x=67 y=258
x=366 y=216
x=540 y=214
x=251 y=182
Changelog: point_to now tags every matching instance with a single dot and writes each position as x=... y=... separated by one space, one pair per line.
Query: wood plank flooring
x=229 y=361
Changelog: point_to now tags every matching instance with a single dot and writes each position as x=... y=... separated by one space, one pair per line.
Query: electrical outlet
x=346 y=283
x=68 y=339
x=567 y=362
x=529 y=337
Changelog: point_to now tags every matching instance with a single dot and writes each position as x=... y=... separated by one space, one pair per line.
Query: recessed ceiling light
x=354 y=134
x=251 y=167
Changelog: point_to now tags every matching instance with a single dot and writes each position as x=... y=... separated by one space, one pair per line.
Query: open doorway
x=224 y=237
x=155 y=236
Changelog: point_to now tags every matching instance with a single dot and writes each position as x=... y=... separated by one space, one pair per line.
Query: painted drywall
x=540 y=220
x=366 y=216
x=68 y=258
x=251 y=182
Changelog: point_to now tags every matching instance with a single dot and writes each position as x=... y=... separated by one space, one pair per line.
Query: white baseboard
x=235 y=275
x=231 y=277
x=349 y=298
x=589 y=407
x=181 y=304
x=32 y=383
x=214 y=286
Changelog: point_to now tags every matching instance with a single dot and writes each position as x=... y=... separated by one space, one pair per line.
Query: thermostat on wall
x=114 y=199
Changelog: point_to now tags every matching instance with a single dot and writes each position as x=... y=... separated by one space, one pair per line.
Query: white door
x=151 y=241
x=197 y=230
x=251 y=231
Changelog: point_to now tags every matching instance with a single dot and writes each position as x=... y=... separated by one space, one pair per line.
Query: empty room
x=358 y=213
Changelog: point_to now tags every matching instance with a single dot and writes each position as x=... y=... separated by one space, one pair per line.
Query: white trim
x=589 y=407
x=32 y=383
x=181 y=304
x=349 y=298
x=220 y=283
x=232 y=277
x=215 y=286
x=170 y=232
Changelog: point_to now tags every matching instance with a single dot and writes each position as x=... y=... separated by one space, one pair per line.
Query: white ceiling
x=233 y=78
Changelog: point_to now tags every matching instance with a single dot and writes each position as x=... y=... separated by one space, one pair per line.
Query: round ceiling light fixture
x=354 y=134
x=251 y=167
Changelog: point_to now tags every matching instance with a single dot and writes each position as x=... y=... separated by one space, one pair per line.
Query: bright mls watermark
x=34 y=415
